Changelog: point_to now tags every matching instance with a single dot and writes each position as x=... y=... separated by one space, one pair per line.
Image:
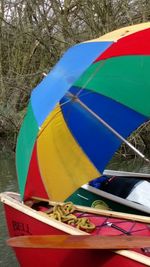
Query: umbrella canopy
x=78 y=116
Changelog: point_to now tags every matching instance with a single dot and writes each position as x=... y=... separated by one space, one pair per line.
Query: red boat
x=25 y=220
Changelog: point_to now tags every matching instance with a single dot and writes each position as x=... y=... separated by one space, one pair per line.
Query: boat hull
x=67 y=258
x=23 y=223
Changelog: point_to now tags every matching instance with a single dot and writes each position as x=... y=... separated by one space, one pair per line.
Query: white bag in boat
x=140 y=193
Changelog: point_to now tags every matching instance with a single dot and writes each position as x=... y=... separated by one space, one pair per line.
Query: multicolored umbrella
x=78 y=116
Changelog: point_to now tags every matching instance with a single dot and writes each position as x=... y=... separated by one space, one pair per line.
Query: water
x=8 y=182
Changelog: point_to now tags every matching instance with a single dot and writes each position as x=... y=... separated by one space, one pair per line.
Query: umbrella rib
x=75 y=98
x=90 y=78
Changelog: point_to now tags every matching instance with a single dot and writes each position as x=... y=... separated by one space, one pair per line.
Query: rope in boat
x=64 y=213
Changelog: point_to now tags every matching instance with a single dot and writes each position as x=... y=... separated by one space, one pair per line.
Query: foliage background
x=33 y=36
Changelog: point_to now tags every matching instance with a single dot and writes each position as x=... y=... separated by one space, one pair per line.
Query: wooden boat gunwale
x=20 y=206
